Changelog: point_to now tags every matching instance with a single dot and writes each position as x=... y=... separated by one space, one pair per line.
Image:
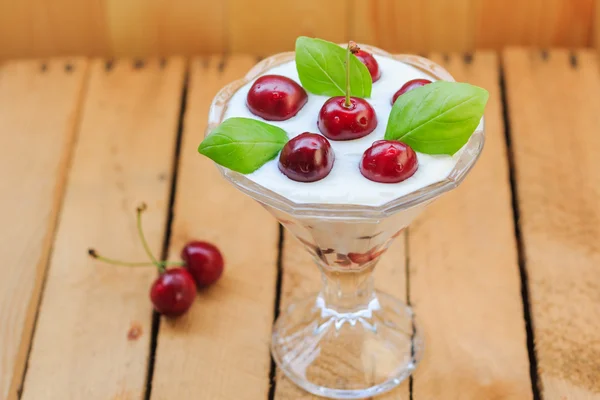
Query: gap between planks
x=533 y=365
x=464 y=280
x=553 y=102
x=168 y=227
x=276 y=307
x=39 y=108
x=88 y=312
x=220 y=349
x=69 y=68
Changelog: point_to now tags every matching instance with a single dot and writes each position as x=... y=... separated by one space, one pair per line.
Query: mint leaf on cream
x=322 y=71
x=438 y=118
x=243 y=144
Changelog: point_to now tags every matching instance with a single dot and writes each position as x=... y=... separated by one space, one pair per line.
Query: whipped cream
x=345 y=184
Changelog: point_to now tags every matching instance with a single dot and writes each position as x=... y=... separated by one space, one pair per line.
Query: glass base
x=347 y=355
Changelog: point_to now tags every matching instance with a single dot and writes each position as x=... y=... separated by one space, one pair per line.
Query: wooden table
x=504 y=273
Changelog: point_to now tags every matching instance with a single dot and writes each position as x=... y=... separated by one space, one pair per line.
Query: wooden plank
x=301 y=278
x=414 y=26
x=143 y=27
x=464 y=274
x=110 y=27
x=596 y=25
x=554 y=123
x=271 y=26
x=40 y=28
x=38 y=113
x=81 y=348
x=156 y=27
x=220 y=349
x=566 y=23
x=541 y=23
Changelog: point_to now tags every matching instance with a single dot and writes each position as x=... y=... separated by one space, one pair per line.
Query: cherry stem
x=141 y=208
x=94 y=254
x=347 y=103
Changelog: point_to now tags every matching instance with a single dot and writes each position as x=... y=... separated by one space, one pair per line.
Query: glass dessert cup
x=348 y=341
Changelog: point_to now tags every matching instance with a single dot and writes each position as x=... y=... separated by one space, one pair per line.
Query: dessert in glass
x=345 y=146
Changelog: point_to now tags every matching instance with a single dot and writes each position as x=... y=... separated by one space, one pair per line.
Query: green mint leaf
x=321 y=68
x=243 y=144
x=438 y=118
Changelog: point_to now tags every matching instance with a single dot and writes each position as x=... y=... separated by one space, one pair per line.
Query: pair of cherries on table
x=174 y=290
x=309 y=157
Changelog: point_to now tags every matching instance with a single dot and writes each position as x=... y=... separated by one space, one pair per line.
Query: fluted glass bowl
x=348 y=341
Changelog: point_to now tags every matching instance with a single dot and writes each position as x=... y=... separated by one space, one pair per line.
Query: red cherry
x=173 y=292
x=388 y=161
x=306 y=158
x=408 y=86
x=370 y=62
x=338 y=122
x=276 y=98
x=204 y=261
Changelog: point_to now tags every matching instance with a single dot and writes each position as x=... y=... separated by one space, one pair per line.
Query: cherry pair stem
x=161 y=265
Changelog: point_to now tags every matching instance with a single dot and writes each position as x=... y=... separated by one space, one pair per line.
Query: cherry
x=339 y=121
x=347 y=118
x=306 y=158
x=276 y=98
x=367 y=59
x=408 y=86
x=204 y=261
x=173 y=292
x=389 y=161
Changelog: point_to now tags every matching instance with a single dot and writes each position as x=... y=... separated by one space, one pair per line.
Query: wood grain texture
x=43 y=28
x=270 y=26
x=157 y=27
x=554 y=123
x=220 y=349
x=301 y=278
x=541 y=23
x=189 y=27
x=596 y=25
x=123 y=156
x=414 y=26
x=464 y=274
x=38 y=115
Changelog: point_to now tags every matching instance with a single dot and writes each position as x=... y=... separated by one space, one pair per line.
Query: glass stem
x=348 y=291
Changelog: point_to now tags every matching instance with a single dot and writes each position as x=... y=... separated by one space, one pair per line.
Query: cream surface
x=345 y=184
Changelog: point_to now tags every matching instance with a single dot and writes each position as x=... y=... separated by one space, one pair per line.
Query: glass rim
x=466 y=160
